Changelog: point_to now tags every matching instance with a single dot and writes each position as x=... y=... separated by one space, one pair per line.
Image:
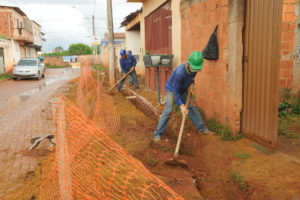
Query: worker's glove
x=124 y=75
x=184 y=110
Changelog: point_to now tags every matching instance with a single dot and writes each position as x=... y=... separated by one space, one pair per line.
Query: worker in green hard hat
x=177 y=89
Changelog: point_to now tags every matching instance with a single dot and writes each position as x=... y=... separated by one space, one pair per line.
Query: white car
x=29 y=68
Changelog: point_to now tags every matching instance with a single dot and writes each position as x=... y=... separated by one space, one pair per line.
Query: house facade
x=22 y=36
x=258 y=56
x=119 y=42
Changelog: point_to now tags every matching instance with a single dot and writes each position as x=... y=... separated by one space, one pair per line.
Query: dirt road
x=25 y=112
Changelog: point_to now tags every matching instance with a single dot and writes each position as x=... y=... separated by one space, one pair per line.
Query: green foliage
x=239 y=180
x=59 y=49
x=63 y=53
x=291 y=105
x=288 y=126
x=260 y=149
x=225 y=132
x=56 y=66
x=243 y=156
x=100 y=67
x=2 y=36
x=80 y=49
x=289 y=115
x=295 y=105
x=5 y=76
x=284 y=109
x=151 y=161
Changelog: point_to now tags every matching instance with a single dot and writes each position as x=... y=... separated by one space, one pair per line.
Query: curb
x=142 y=104
x=6 y=79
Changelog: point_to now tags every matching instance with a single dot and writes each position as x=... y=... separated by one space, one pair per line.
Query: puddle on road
x=17 y=99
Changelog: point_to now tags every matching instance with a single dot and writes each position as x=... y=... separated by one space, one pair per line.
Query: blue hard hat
x=122 y=52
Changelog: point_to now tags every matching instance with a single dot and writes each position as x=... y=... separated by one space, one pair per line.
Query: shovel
x=175 y=162
x=118 y=82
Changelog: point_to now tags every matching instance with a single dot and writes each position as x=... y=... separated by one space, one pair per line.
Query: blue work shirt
x=179 y=82
x=132 y=60
x=127 y=64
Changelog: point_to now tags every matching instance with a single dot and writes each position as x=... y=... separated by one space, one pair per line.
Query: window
x=27 y=63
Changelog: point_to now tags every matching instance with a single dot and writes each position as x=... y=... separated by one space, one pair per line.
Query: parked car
x=29 y=68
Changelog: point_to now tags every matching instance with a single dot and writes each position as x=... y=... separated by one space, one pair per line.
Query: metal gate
x=158 y=38
x=261 y=70
x=2 y=67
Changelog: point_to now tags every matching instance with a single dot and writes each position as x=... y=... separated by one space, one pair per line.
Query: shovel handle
x=182 y=124
x=118 y=82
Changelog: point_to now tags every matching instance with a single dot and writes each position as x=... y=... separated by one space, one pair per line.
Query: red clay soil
x=218 y=169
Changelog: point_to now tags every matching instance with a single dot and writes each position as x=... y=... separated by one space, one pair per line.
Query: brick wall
x=54 y=60
x=289 y=20
x=58 y=60
x=198 y=23
x=4 y=28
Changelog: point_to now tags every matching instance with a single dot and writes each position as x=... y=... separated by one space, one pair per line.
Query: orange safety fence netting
x=88 y=164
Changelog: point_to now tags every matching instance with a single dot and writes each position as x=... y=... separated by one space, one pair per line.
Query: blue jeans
x=134 y=78
x=165 y=116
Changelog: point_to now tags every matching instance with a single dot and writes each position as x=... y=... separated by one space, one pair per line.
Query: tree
x=80 y=49
x=59 y=49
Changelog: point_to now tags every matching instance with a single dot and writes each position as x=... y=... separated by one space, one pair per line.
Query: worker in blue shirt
x=128 y=66
x=177 y=89
x=131 y=57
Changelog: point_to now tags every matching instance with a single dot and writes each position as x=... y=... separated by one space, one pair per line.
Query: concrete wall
x=54 y=60
x=37 y=37
x=133 y=43
x=16 y=49
x=58 y=60
x=8 y=55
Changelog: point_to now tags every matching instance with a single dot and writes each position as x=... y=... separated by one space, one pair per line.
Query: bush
x=225 y=132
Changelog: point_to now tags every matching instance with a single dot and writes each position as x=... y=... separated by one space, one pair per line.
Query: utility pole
x=94 y=46
x=111 y=49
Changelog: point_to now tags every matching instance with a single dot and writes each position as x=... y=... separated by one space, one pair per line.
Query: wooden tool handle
x=182 y=124
x=118 y=82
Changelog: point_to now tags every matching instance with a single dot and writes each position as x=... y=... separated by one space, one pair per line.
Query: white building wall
x=8 y=54
x=133 y=43
x=16 y=51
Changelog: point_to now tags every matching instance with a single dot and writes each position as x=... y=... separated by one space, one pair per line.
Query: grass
x=243 y=156
x=225 y=132
x=151 y=161
x=5 y=76
x=100 y=67
x=260 y=149
x=289 y=116
x=239 y=180
x=56 y=66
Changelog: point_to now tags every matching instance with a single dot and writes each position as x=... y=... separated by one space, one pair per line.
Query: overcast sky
x=64 y=25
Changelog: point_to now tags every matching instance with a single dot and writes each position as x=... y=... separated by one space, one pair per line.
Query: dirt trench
x=196 y=182
x=218 y=169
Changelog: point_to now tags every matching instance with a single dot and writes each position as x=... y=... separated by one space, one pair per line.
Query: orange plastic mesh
x=88 y=164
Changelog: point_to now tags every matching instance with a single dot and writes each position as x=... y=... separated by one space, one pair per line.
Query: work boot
x=206 y=132
x=156 y=139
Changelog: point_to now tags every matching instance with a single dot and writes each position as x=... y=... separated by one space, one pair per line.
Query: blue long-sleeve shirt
x=179 y=82
x=132 y=60
x=127 y=64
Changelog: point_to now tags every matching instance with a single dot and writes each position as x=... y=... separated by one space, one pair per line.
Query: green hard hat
x=196 y=61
